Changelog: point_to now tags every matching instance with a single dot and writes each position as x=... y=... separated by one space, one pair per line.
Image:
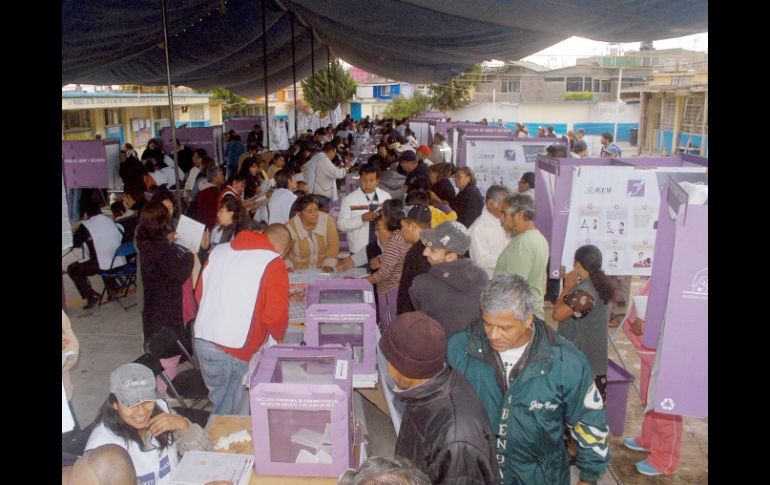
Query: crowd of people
x=493 y=394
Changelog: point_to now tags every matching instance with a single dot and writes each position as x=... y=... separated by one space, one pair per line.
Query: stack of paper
x=321 y=443
x=201 y=467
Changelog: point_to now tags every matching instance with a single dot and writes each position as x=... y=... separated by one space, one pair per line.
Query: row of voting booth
x=95 y=163
x=649 y=217
x=307 y=421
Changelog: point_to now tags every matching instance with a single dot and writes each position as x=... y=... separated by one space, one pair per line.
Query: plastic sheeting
x=218 y=43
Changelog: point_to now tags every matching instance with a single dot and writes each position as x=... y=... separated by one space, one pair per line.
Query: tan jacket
x=314 y=249
x=73 y=345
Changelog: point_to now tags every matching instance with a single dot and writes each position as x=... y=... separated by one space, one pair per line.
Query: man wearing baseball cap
x=416 y=219
x=417 y=176
x=444 y=429
x=423 y=152
x=451 y=289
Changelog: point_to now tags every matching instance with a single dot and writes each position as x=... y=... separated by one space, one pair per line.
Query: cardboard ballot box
x=342 y=312
x=301 y=411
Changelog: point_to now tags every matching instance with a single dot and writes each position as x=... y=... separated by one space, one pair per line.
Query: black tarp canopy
x=218 y=43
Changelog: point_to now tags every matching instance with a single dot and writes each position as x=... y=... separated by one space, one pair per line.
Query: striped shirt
x=391 y=263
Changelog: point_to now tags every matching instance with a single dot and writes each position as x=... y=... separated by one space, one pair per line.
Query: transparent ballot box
x=339 y=312
x=301 y=411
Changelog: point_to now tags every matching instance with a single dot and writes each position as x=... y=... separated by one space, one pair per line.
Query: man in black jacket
x=417 y=220
x=416 y=171
x=448 y=291
x=445 y=429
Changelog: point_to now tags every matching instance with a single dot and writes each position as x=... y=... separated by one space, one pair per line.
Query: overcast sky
x=565 y=52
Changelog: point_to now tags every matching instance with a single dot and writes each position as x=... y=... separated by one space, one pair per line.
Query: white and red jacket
x=233 y=290
x=228 y=191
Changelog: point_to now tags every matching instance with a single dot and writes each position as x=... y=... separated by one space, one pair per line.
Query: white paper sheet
x=324 y=455
x=305 y=456
x=308 y=437
x=67 y=423
x=189 y=233
x=640 y=302
x=199 y=467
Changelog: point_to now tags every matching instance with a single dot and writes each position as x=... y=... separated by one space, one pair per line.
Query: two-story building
x=133 y=114
x=674 y=110
x=372 y=97
x=581 y=96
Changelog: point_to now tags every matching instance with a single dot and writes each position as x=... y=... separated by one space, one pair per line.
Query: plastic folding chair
x=124 y=275
x=188 y=384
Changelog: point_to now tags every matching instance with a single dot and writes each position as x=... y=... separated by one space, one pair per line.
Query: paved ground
x=110 y=336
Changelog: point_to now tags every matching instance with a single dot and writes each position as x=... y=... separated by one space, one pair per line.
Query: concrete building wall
x=363 y=92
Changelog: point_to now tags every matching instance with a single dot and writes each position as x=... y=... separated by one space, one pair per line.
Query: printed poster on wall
x=497 y=162
x=615 y=210
x=85 y=164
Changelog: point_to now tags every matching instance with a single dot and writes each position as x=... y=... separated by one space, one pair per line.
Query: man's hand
x=637 y=326
x=370 y=216
x=346 y=264
x=171 y=236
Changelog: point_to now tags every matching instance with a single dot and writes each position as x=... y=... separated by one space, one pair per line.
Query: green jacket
x=551 y=385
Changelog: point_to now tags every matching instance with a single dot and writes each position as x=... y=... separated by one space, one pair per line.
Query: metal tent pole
x=264 y=66
x=171 y=104
x=329 y=78
x=294 y=74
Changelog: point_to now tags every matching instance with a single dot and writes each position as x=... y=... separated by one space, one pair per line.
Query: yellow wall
x=215 y=113
x=97 y=120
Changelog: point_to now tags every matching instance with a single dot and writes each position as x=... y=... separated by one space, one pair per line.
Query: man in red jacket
x=234 y=320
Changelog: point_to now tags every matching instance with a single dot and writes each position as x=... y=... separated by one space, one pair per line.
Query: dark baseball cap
x=408 y=156
x=419 y=213
x=449 y=235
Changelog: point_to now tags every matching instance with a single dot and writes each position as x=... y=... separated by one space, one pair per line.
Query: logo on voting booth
x=699 y=287
x=635 y=188
x=668 y=404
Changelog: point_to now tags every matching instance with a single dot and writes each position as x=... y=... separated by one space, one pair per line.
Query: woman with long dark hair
x=583 y=310
x=232 y=217
x=250 y=169
x=135 y=419
x=165 y=266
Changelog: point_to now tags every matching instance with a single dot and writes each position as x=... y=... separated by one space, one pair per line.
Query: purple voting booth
x=342 y=312
x=301 y=412
x=243 y=125
x=207 y=137
x=553 y=186
x=680 y=373
x=85 y=164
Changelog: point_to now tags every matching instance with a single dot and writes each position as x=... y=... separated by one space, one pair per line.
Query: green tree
x=229 y=96
x=402 y=107
x=324 y=96
x=457 y=92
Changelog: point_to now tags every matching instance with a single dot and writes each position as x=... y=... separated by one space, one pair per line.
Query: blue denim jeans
x=223 y=375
